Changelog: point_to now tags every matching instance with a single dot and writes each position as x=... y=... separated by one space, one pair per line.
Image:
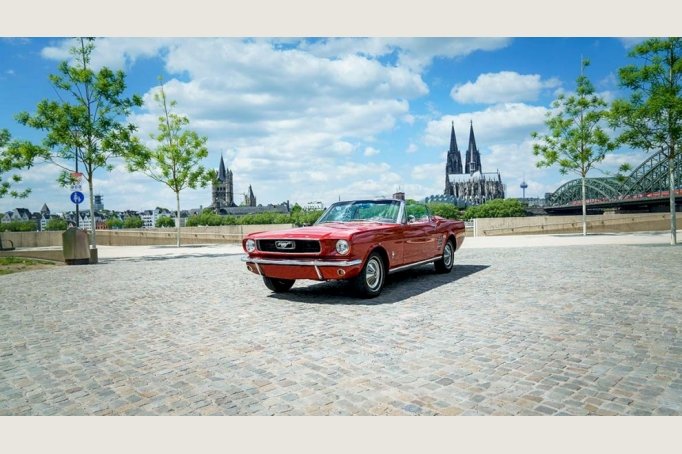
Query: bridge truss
x=648 y=181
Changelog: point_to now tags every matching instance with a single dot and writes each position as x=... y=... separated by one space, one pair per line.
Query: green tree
x=444 y=210
x=114 y=223
x=651 y=119
x=576 y=141
x=56 y=224
x=18 y=226
x=497 y=208
x=10 y=161
x=165 y=221
x=84 y=126
x=133 y=222
x=175 y=160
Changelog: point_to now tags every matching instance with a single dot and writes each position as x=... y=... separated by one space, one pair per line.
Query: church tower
x=473 y=157
x=250 y=198
x=454 y=163
x=223 y=189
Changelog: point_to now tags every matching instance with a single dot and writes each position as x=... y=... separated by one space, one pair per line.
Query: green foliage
x=497 y=208
x=56 y=224
x=576 y=140
x=85 y=123
x=175 y=160
x=205 y=218
x=300 y=217
x=165 y=221
x=18 y=226
x=133 y=222
x=444 y=210
x=652 y=117
x=10 y=160
x=114 y=223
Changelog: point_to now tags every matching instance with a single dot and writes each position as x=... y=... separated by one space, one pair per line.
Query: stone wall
x=143 y=237
x=605 y=223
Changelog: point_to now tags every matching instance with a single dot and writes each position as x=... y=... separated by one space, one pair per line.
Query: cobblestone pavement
x=570 y=330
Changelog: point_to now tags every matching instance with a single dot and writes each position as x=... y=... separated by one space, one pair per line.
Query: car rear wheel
x=370 y=281
x=278 y=285
x=444 y=264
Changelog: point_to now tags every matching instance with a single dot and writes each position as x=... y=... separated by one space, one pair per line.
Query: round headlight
x=250 y=245
x=342 y=247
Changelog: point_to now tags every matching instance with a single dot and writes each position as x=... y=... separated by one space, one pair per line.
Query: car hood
x=332 y=230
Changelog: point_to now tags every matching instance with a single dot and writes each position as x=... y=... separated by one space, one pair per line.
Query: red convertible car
x=361 y=241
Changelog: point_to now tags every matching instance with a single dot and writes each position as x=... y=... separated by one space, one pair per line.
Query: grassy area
x=10 y=265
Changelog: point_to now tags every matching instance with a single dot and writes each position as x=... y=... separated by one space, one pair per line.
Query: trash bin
x=75 y=247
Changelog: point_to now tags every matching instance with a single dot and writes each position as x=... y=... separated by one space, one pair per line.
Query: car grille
x=291 y=246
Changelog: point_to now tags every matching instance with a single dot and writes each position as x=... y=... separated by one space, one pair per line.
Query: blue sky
x=318 y=119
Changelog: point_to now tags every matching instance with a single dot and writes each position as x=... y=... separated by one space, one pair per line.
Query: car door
x=420 y=238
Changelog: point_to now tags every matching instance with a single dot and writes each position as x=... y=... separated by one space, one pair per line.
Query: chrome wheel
x=374 y=274
x=447 y=255
x=444 y=264
x=370 y=281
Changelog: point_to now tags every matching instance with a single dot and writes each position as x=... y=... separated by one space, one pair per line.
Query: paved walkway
x=563 y=325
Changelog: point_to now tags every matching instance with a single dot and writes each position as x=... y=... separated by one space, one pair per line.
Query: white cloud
x=411 y=148
x=115 y=53
x=370 y=151
x=505 y=86
x=511 y=122
x=413 y=53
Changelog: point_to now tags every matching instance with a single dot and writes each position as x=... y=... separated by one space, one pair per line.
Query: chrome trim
x=316 y=263
x=319 y=275
x=423 y=262
x=258 y=268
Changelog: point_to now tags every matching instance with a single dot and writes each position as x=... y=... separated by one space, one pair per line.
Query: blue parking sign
x=77 y=197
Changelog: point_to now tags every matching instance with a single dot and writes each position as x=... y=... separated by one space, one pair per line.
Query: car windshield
x=385 y=211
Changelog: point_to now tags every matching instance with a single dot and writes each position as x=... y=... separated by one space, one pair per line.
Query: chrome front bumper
x=301 y=262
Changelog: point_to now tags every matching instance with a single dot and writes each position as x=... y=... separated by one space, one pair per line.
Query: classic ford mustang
x=360 y=241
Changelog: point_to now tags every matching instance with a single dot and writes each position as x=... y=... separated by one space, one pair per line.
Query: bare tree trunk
x=673 y=216
x=584 y=208
x=177 y=217
x=93 y=240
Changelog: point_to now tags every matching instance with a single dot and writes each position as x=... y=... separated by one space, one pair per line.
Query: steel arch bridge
x=648 y=181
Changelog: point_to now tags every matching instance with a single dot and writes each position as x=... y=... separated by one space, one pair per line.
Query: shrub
x=18 y=226
x=56 y=224
x=133 y=222
x=497 y=208
x=165 y=221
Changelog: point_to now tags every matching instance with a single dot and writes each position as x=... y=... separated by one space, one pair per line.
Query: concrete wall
x=604 y=223
x=142 y=237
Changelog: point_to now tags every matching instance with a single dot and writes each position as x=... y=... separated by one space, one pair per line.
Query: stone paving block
x=471 y=342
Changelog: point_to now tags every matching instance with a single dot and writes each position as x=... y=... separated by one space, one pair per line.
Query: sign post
x=76 y=178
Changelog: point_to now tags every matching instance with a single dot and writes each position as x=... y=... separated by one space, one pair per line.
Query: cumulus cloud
x=506 y=122
x=502 y=87
x=370 y=151
x=115 y=53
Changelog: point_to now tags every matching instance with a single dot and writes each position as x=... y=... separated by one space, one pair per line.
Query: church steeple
x=473 y=157
x=222 y=175
x=454 y=160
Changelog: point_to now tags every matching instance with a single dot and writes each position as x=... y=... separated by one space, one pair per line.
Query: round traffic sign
x=77 y=197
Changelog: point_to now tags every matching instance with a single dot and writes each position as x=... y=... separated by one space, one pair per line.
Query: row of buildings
x=42 y=217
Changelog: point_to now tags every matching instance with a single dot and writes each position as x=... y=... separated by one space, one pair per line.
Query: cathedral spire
x=454 y=159
x=473 y=157
x=453 y=139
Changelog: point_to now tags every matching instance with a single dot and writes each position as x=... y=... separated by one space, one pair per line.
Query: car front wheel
x=371 y=279
x=444 y=264
x=278 y=285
